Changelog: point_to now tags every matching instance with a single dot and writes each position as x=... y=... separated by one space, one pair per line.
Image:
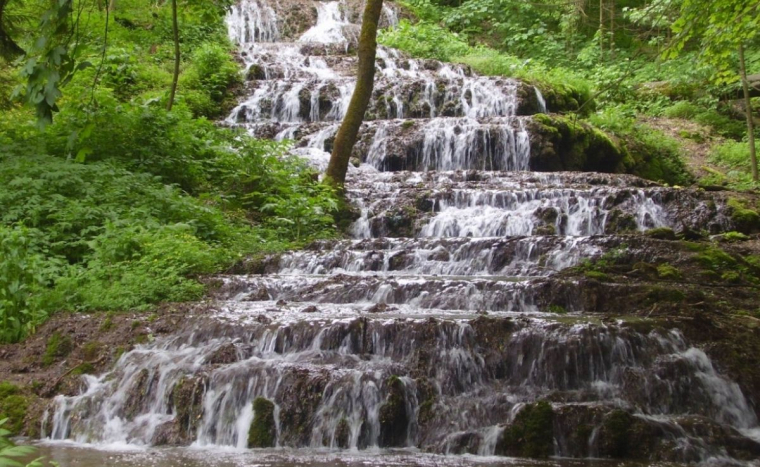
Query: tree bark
x=748 y=109
x=365 y=80
x=175 y=79
x=9 y=49
x=601 y=31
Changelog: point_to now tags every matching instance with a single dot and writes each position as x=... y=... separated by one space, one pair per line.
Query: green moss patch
x=531 y=434
x=263 y=430
x=13 y=406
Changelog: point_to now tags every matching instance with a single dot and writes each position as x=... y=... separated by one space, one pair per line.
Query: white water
x=444 y=287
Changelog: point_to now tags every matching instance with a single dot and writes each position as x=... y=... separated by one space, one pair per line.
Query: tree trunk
x=175 y=79
x=748 y=109
x=612 y=29
x=365 y=80
x=601 y=31
x=9 y=49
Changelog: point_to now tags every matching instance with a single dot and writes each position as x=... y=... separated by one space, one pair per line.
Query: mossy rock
x=187 y=399
x=394 y=419
x=58 y=346
x=263 y=431
x=668 y=272
x=615 y=434
x=564 y=143
x=13 y=406
x=665 y=294
x=661 y=233
x=343 y=434
x=256 y=72
x=619 y=222
x=745 y=220
x=531 y=434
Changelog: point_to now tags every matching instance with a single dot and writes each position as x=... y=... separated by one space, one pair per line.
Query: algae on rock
x=263 y=431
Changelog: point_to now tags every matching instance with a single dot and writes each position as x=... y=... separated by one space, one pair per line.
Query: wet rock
x=263 y=431
x=256 y=72
x=260 y=294
x=140 y=387
x=531 y=434
x=342 y=434
x=224 y=355
x=298 y=403
x=310 y=309
x=394 y=420
x=619 y=222
x=186 y=399
x=561 y=143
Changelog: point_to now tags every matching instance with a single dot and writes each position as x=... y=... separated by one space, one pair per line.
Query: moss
x=668 y=272
x=531 y=434
x=597 y=275
x=394 y=419
x=565 y=143
x=715 y=259
x=664 y=294
x=263 y=431
x=91 y=350
x=558 y=309
x=732 y=277
x=83 y=369
x=745 y=220
x=407 y=124
x=662 y=233
x=619 y=222
x=615 y=433
x=107 y=323
x=57 y=347
x=732 y=237
x=342 y=434
x=13 y=406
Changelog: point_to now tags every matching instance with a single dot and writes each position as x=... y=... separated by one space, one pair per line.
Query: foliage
x=13 y=407
x=209 y=78
x=655 y=155
x=429 y=40
x=425 y=40
x=24 y=273
x=721 y=27
x=99 y=237
x=734 y=158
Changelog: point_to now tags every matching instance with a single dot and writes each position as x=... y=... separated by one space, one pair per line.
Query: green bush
x=682 y=109
x=653 y=154
x=425 y=40
x=24 y=275
x=99 y=237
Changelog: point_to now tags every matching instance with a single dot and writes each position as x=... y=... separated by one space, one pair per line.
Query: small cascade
x=447 y=317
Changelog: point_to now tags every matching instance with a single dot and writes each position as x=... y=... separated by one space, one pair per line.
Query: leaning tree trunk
x=748 y=109
x=365 y=80
x=175 y=78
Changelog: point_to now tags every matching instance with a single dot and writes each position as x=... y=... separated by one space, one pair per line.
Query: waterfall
x=446 y=318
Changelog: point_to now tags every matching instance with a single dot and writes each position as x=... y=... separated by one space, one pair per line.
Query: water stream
x=429 y=330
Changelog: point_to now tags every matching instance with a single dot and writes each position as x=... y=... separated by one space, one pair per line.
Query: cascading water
x=430 y=328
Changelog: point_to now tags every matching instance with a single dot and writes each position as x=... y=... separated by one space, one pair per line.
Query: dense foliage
x=119 y=204
x=618 y=64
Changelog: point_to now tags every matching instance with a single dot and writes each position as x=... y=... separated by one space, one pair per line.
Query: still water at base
x=68 y=455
